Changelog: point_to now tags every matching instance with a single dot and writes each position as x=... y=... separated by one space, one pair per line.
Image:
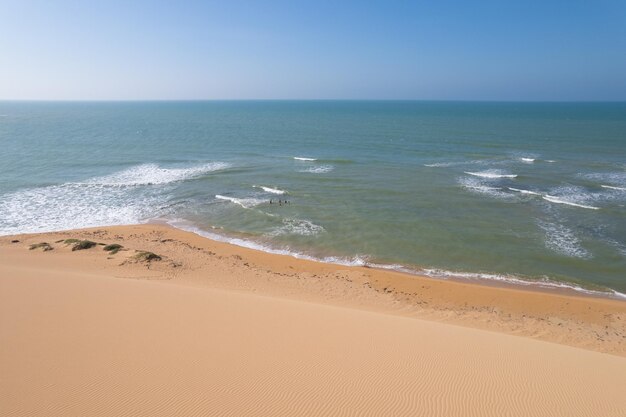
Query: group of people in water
x=280 y=202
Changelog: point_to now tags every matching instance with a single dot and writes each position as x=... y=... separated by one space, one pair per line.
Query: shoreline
x=547 y=285
x=593 y=323
x=505 y=280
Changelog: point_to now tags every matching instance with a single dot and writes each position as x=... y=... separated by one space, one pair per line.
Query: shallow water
x=494 y=190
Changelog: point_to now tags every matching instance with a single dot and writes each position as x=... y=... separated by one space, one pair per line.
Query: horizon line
x=304 y=100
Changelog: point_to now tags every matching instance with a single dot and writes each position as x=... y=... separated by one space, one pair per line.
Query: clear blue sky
x=466 y=50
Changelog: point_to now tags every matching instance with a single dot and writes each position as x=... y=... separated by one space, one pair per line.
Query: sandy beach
x=312 y=209
x=216 y=329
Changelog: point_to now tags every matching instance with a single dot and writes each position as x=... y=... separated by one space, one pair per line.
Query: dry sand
x=214 y=329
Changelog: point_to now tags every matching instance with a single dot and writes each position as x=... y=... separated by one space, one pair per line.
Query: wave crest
x=123 y=197
x=243 y=202
x=271 y=190
x=519 y=190
x=612 y=187
x=152 y=174
x=491 y=174
x=557 y=200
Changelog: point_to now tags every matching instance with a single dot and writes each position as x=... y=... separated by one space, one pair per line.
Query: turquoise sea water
x=524 y=192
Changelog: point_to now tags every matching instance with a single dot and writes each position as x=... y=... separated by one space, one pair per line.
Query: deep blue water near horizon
x=534 y=192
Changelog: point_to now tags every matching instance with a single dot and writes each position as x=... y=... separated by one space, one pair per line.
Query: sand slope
x=593 y=323
x=78 y=344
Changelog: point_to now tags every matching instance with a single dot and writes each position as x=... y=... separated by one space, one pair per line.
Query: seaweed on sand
x=42 y=245
x=147 y=256
x=113 y=248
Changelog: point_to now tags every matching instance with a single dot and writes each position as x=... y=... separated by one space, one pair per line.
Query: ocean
x=525 y=193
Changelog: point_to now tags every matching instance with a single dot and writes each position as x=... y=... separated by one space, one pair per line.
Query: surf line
x=556 y=200
x=490 y=175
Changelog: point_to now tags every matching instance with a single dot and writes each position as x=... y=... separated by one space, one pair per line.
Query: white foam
x=297 y=227
x=322 y=169
x=357 y=260
x=612 y=187
x=70 y=206
x=246 y=243
x=523 y=191
x=557 y=200
x=550 y=161
x=271 y=190
x=152 y=174
x=615 y=180
x=615 y=176
x=440 y=164
x=509 y=279
x=562 y=240
x=491 y=174
x=302 y=158
x=527 y=160
x=478 y=186
x=124 y=197
x=243 y=202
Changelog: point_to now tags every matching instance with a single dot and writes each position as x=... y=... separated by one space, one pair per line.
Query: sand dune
x=80 y=339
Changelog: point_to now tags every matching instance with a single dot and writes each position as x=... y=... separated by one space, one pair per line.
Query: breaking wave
x=243 y=202
x=612 y=187
x=271 y=190
x=519 y=190
x=557 y=200
x=491 y=174
x=152 y=174
x=125 y=197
